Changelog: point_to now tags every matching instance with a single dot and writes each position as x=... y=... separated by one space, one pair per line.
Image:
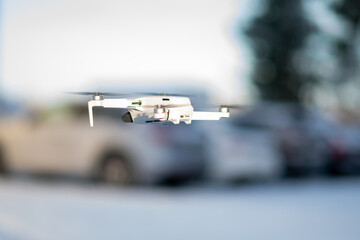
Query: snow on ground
x=307 y=209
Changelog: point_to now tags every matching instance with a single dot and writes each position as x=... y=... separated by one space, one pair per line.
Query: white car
x=237 y=153
x=60 y=141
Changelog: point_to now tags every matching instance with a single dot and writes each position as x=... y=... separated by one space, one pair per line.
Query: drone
x=159 y=108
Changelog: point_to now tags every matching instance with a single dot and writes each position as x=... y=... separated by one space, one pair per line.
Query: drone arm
x=209 y=115
x=116 y=103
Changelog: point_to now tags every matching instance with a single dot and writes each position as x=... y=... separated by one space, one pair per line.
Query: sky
x=50 y=47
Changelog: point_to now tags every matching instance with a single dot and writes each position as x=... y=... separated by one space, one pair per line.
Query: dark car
x=303 y=150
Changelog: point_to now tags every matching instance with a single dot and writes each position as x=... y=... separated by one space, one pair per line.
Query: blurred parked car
x=303 y=149
x=60 y=141
x=239 y=153
x=342 y=142
x=346 y=158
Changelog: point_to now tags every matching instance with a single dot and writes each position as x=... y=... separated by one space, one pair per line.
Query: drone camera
x=127 y=117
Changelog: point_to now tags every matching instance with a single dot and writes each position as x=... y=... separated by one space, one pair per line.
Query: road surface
x=307 y=209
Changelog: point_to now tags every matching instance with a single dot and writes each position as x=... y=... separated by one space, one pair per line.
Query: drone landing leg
x=91 y=114
x=106 y=103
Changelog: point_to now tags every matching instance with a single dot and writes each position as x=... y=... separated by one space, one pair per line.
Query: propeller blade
x=164 y=94
x=113 y=94
x=98 y=93
x=80 y=93
x=129 y=94
x=231 y=106
x=236 y=106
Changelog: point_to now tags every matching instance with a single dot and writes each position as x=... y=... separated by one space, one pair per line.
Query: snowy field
x=303 y=209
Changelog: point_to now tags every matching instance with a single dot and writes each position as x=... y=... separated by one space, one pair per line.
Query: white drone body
x=156 y=109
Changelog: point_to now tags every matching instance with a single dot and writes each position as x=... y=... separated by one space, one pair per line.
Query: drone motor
x=160 y=113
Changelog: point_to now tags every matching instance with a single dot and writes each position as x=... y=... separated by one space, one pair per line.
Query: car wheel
x=116 y=170
x=2 y=164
